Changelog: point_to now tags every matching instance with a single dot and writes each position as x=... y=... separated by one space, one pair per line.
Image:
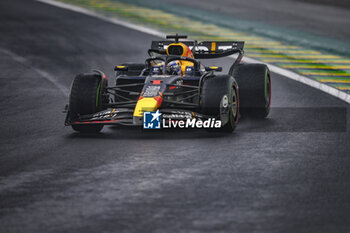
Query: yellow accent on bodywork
x=148 y=104
x=112 y=112
x=184 y=65
x=213 y=47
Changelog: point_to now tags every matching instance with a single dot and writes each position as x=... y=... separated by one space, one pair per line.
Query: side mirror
x=121 y=68
x=213 y=68
x=190 y=71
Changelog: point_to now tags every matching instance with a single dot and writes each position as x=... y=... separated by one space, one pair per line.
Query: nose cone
x=147 y=104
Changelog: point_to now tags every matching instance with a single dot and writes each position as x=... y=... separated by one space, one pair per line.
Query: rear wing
x=205 y=49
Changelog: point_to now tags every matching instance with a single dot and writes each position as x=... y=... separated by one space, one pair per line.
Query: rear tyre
x=254 y=84
x=86 y=98
x=216 y=92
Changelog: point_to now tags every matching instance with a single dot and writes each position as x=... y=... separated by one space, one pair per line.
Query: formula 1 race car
x=173 y=84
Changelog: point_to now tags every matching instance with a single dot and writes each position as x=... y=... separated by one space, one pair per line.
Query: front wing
x=124 y=116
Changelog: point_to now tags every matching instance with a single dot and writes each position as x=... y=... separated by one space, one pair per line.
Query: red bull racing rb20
x=172 y=89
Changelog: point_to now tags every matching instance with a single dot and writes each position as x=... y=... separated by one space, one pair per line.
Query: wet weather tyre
x=216 y=90
x=85 y=98
x=254 y=83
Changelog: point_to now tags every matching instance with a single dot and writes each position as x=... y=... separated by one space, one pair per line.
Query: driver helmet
x=174 y=68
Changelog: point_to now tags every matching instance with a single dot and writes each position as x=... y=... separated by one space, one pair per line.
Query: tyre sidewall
x=212 y=92
x=86 y=98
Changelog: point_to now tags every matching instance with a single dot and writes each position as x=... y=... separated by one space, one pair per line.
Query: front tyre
x=86 y=98
x=219 y=97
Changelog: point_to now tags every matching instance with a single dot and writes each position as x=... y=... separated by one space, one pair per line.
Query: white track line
x=287 y=73
x=42 y=73
x=104 y=18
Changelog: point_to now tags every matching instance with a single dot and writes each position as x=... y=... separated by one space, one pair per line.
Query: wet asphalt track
x=288 y=173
